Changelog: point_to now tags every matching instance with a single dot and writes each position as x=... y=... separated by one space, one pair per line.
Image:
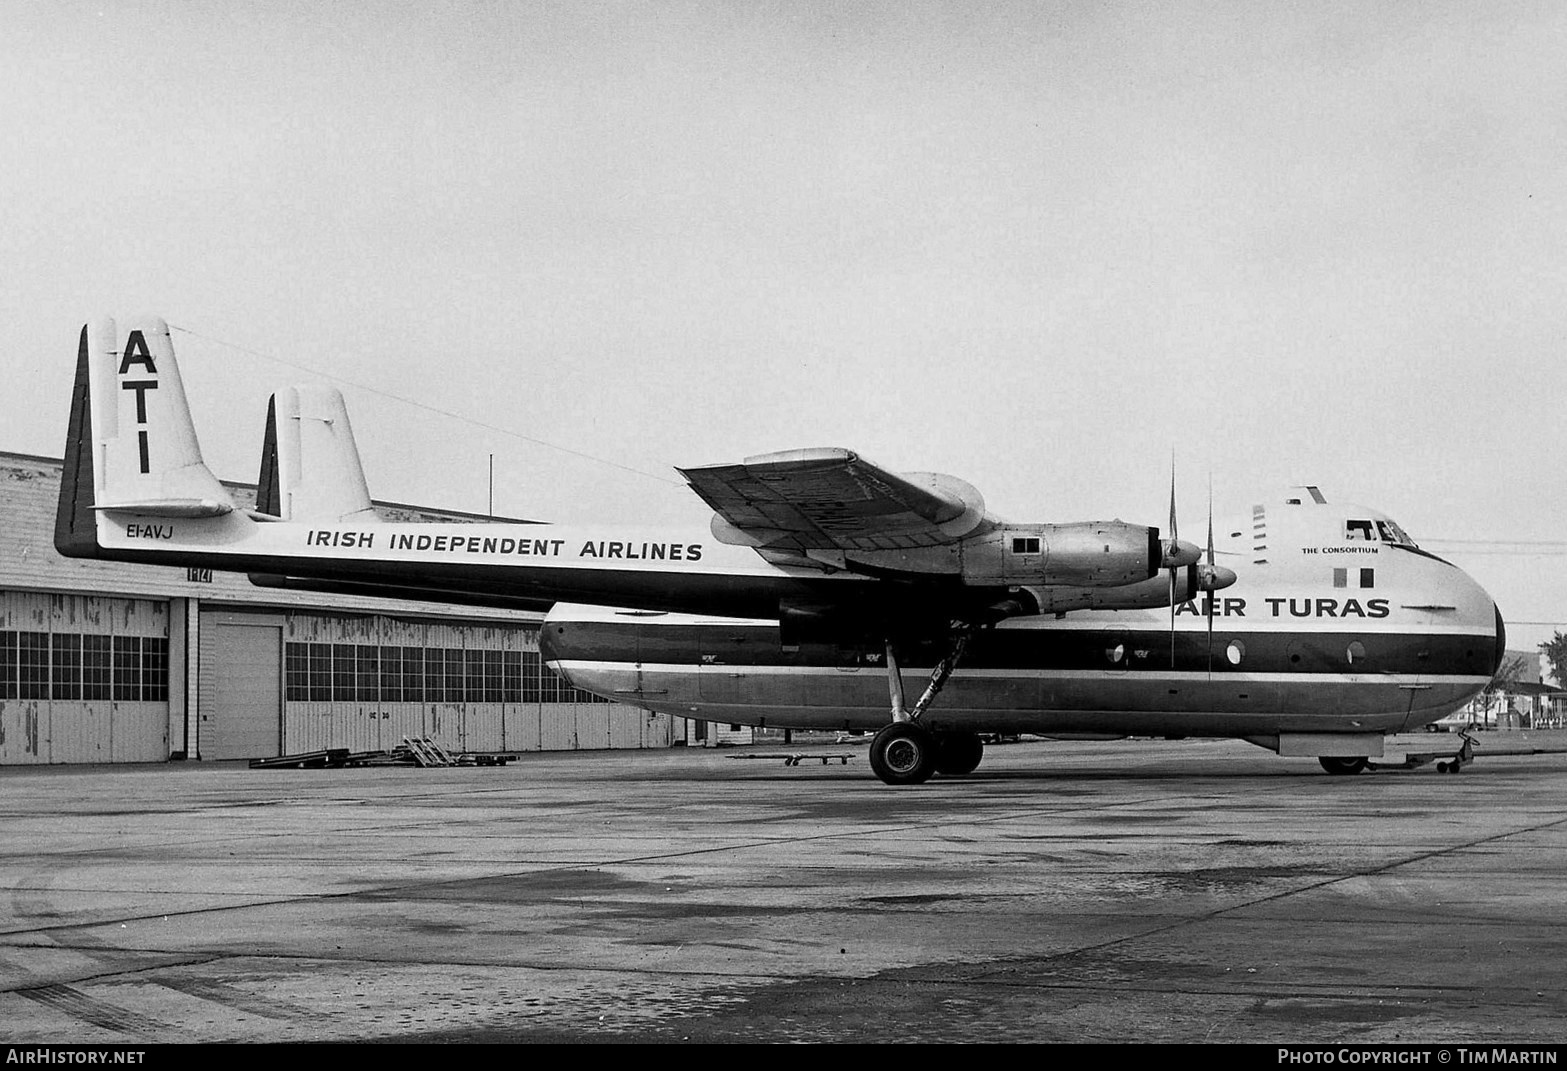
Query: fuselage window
x=1235 y=652
x=1116 y=654
x=1357 y=530
x=1356 y=653
x=1029 y=545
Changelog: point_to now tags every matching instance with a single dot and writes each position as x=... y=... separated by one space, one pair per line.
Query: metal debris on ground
x=309 y=760
x=413 y=751
x=794 y=758
x=427 y=752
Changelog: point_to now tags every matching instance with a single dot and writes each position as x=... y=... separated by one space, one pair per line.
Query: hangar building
x=110 y=662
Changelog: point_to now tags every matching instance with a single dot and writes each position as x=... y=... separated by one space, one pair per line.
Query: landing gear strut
x=905 y=752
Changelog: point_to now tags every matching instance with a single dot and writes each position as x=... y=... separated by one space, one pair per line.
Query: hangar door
x=242 y=714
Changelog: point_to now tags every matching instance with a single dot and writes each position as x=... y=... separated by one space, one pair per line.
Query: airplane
x=810 y=552
x=1337 y=631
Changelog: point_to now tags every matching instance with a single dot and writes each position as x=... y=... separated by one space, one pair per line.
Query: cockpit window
x=1399 y=535
x=1382 y=531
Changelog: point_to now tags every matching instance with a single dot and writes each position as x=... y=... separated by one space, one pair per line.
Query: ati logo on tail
x=136 y=352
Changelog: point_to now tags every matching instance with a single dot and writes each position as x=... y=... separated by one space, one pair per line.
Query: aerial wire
x=431 y=408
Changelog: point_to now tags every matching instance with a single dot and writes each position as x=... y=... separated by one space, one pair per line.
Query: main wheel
x=903 y=754
x=1337 y=764
x=958 y=753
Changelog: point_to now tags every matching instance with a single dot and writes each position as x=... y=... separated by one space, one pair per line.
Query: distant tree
x=1555 y=651
x=1512 y=668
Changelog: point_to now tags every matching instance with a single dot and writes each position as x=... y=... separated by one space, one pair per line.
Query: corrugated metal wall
x=79 y=685
x=377 y=719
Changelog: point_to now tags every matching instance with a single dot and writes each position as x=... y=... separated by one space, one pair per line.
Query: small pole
x=492 y=487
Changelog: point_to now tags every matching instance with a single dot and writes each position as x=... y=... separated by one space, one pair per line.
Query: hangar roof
x=30 y=485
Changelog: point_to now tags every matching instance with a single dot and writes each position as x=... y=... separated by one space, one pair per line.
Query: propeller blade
x=1177 y=554
x=1169 y=552
x=1210 y=570
x=1173 y=533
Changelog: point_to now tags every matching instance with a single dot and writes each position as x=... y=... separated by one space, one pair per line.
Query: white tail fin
x=310 y=468
x=145 y=456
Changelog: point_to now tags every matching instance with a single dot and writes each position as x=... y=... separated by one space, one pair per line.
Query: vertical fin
x=269 y=497
x=145 y=456
x=75 y=523
x=316 y=471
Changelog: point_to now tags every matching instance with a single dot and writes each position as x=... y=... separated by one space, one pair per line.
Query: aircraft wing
x=833 y=499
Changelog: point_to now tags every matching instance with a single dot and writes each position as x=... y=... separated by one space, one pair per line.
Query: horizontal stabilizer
x=170 y=507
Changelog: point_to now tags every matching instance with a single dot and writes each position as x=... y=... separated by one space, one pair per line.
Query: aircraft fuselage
x=1323 y=632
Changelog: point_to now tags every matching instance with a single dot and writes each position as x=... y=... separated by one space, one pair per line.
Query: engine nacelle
x=1190 y=583
x=1090 y=554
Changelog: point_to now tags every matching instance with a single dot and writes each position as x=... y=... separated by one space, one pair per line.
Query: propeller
x=1208 y=574
x=1174 y=542
x=1203 y=577
x=1210 y=577
x=1177 y=556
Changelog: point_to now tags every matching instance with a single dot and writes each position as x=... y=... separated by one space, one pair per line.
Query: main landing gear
x=905 y=752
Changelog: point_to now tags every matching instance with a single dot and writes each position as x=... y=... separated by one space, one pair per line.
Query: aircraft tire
x=904 y=754
x=958 y=753
x=1336 y=764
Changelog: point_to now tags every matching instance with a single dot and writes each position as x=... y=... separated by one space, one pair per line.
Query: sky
x=1044 y=247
